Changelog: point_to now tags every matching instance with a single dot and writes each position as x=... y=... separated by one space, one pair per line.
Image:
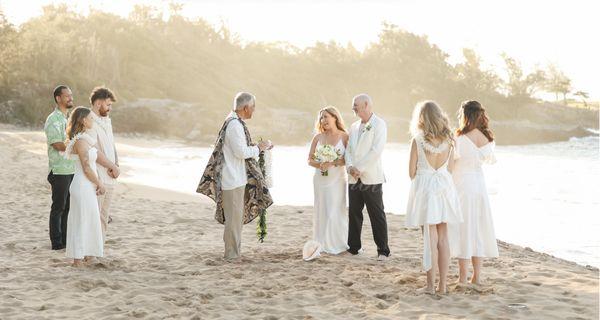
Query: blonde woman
x=475 y=237
x=84 y=231
x=330 y=222
x=433 y=201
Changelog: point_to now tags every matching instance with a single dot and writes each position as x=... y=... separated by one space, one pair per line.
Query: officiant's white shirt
x=102 y=131
x=365 y=149
x=236 y=151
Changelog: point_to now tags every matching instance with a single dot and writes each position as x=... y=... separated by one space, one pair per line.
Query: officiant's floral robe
x=256 y=197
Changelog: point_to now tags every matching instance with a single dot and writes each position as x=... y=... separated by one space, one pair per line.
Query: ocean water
x=543 y=196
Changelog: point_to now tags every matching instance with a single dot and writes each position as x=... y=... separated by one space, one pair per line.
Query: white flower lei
x=268 y=168
x=70 y=144
x=431 y=148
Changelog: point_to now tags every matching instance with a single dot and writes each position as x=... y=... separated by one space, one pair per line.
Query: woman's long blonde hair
x=334 y=112
x=429 y=118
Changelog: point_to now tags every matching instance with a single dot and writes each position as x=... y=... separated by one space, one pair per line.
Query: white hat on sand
x=312 y=250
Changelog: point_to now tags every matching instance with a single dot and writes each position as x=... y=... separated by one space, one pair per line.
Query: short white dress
x=475 y=236
x=432 y=198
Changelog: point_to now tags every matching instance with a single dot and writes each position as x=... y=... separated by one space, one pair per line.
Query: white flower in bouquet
x=326 y=153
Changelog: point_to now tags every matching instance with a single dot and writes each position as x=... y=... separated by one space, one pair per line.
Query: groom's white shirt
x=365 y=147
x=103 y=132
x=236 y=151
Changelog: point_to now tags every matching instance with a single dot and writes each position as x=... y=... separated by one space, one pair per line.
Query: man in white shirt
x=233 y=177
x=363 y=155
x=101 y=100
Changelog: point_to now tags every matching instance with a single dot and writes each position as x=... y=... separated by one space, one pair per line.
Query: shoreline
x=129 y=145
x=508 y=133
x=164 y=259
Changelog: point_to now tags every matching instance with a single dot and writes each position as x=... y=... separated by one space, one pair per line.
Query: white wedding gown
x=84 y=232
x=330 y=220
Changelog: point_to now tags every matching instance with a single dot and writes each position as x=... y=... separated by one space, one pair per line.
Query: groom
x=365 y=169
x=101 y=101
x=233 y=178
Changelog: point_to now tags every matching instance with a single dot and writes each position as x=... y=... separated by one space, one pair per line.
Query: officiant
x=233 y=178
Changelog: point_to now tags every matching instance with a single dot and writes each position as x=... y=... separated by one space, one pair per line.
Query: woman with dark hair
x=84 y=232
x=474 y=238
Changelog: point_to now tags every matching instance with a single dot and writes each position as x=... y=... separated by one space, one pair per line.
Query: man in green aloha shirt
x=61 y=169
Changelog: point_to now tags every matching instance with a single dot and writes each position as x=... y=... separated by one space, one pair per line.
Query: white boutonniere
x=367 y=127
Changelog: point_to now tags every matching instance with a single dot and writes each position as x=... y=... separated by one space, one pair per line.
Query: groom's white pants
x=104 y=202
x=233 y=208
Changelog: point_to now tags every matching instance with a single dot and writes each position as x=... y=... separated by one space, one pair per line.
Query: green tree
x=188 y=62
x=472 y=75
x=558 y=83
x=520 y=86
x=8 y=54
x=583 y=95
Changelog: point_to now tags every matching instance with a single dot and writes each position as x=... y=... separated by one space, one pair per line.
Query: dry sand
x=163 y=260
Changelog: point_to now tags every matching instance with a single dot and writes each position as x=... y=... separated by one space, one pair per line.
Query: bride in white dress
x=84 y=231
x=330 y=220
x=475 y=237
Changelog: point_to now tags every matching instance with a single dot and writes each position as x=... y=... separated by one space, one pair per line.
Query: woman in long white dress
x=84 y=231
x=432 y=202
x=330 y=220
x=475 y=238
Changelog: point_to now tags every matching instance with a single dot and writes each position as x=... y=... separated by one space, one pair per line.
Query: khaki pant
x=104 y=202
x=233 y=207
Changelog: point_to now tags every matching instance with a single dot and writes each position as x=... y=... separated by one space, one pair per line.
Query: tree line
x=189 y=60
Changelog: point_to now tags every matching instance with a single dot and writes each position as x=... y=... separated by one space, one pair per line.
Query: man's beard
x=70 y=105
x=103 y=113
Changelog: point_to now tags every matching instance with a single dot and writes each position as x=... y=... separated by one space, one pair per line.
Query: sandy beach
x=163 y=260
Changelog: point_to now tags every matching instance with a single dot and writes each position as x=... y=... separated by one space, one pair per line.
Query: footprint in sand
x=88 y=285
x=535 y=283
x=407 y=280
x=580 y=310
x=347 y=283
x=11 y=246
x=137 y=313
x=381 y=306
x=388 y=297
x=210 y=262
x=473 y=289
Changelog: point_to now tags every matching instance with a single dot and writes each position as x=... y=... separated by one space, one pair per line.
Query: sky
x=564 y=33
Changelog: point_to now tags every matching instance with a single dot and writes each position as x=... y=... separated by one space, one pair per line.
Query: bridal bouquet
x=326 y=153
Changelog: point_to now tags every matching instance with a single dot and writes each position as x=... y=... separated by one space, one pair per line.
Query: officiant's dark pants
x=59 y=211
x=372 y=196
